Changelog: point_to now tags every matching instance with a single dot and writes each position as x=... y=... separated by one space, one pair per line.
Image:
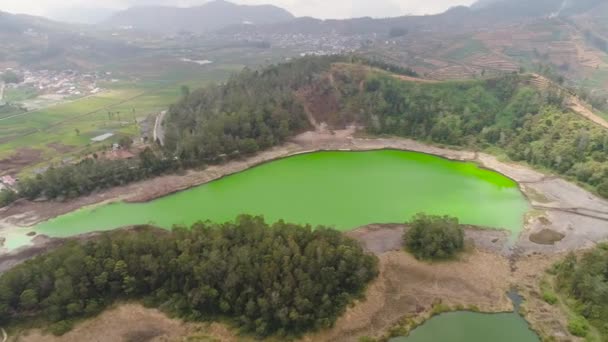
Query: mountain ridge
x=211 y=16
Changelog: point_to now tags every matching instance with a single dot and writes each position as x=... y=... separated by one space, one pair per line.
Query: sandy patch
x=132 y=323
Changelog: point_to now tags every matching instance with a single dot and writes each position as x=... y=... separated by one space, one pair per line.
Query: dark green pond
x=472 y=327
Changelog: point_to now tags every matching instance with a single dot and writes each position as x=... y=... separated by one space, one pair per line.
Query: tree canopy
x=434 y=237
x=584 y=279
x=267 y=279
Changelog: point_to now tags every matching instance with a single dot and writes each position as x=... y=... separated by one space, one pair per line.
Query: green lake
x=472 y=327
x=344 y=190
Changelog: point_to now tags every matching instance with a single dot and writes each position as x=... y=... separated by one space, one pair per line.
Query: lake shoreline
x=555 y=203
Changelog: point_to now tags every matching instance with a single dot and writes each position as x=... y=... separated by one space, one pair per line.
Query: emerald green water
x=340 y=189
x=472 y=327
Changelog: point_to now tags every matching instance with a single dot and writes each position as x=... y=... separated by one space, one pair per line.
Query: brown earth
x=21 y=158
x=132 y=323
x=547 y=320
x=61 y=148
x=546 y=237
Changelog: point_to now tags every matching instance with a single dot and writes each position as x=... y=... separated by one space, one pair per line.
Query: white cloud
x=315 y=8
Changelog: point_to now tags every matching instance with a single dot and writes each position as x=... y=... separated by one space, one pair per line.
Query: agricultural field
x=31 y=141
x=465 y=49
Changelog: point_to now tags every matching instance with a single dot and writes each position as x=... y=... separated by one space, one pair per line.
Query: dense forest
x=584 y=281
x=280 y=279
x=258 y=109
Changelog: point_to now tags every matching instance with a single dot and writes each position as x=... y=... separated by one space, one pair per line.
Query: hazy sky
x=315 y=8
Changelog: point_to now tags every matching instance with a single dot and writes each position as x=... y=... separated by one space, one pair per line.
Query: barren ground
x=132 y=323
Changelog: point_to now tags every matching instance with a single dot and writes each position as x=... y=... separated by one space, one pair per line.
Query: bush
x=602 y=189
x=60 y=327
x=549 y=297
x=434 y=237
x=7 y=197
x=578 y=326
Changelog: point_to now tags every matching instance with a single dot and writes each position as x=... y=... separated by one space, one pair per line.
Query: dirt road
x=159 y=131
x=2 y=92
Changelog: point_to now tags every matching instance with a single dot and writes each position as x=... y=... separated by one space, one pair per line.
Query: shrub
x=549 y=297
x=60 y=328
x=578 y=326
x=434 y=237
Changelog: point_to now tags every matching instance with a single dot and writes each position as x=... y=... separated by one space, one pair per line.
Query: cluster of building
x=64 y=82
x=310 y=44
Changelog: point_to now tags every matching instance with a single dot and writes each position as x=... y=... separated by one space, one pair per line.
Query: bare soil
x=407 y=286
x=548 y=320
x=20 y=159
x=132 y=323
x=61 y=148
x=546 y=237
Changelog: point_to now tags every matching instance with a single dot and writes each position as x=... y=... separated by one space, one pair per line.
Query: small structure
x=8 y=181
x=102 y=137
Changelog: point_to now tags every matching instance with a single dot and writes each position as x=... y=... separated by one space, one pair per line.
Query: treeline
x=280 y=279
x=378 y=62
x=499 y=114
x=89 y=175
x=584 y=280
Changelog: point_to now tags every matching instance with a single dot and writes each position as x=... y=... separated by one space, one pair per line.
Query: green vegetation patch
x=280 y=279
x=434 y=237
x=584 y=282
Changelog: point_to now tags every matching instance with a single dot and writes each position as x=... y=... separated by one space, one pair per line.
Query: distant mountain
x=42 y=43
x=81 y=15
x=208 y=17
x=527 y=8
x=483 y=14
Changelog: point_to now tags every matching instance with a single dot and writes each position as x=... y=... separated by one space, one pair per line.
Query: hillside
x=41 y=43
x=208 y=17
x=510 y=113
x=484 y=14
